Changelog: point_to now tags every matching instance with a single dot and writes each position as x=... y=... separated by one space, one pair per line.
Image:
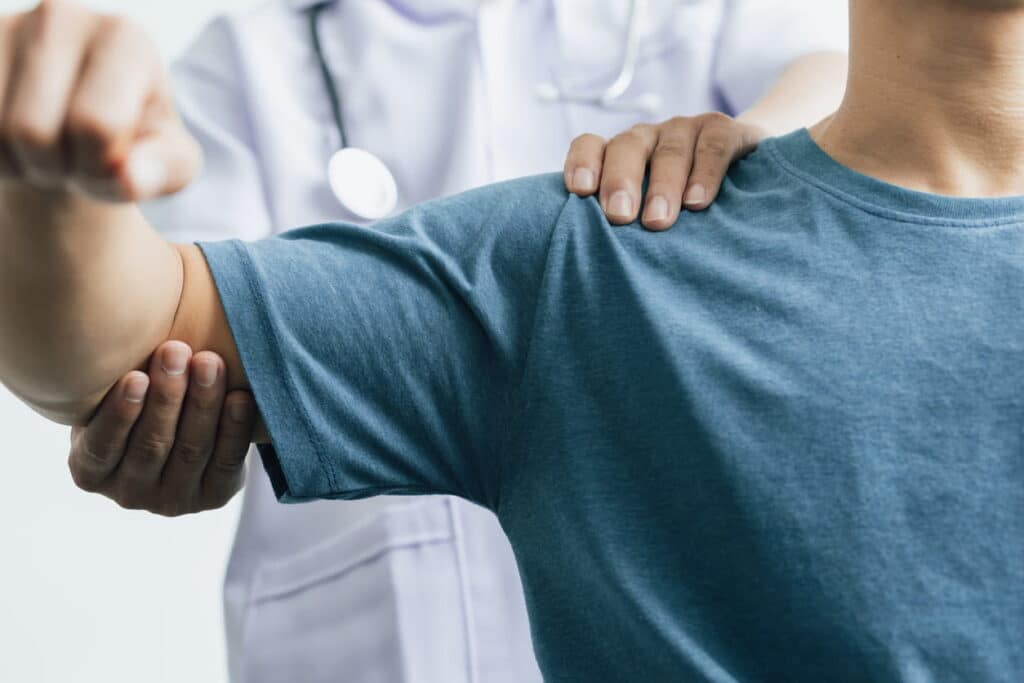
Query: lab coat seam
x=390 y=530
x=462 y=566
x=247 y=616
x=290 y=588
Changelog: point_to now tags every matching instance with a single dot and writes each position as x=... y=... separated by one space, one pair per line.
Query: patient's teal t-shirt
x=783 y=441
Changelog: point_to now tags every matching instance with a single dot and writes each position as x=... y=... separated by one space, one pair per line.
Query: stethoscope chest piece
x=362 y=183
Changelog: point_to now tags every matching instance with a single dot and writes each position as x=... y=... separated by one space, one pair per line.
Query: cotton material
x=445 y=92
x=781 y=441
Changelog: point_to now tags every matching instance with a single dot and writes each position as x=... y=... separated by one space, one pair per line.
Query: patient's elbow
x=65 y=410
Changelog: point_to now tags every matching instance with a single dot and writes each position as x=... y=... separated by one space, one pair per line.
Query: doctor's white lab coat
x=445 y=92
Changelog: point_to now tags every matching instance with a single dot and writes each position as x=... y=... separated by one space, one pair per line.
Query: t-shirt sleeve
x=385 y=360
x=760 y=38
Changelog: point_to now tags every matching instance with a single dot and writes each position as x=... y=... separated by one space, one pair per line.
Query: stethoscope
x=364 y=184
x=360 y=180
x=611 y=97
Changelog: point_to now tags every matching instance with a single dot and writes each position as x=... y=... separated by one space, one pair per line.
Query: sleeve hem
x=294 y=459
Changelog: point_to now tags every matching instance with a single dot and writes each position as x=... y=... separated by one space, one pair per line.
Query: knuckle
x=673 y=148
x=130 y=35
x=29 y=132
x=89 y=457
x=226 y=465
x=153 y=446
x=230 y=461
x=619 y=139
x=50 y=10
x=229 y=458
x=637 y=137
x=84 y=479
x=629 y=137
x=643 y=129
x=715 y=147
x=122 y=27
x=52 y=17
x=94 y=125
x=587 y=139
x=190 y=453
x=716 y=118
x=678 y=122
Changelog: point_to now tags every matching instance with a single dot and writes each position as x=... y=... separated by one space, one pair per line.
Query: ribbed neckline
x=800 y=155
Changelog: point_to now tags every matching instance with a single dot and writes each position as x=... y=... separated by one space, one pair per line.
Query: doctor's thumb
x=162 y=163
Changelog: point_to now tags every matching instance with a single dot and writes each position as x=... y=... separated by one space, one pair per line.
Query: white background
x=90 y=592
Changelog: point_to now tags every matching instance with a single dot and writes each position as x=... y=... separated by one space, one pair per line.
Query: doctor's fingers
x=582 y=171
x=194 y=443
x=226 y=470
x=137 y=480
x=45 y=49
x=97 y=449
x=625 y=160
x=721 y=140
x=671 y=162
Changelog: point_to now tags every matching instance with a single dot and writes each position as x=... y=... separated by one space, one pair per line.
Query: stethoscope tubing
x=330 y=84
x=359 y=179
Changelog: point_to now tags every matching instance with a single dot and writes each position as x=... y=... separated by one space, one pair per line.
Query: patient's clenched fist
x=85 y=104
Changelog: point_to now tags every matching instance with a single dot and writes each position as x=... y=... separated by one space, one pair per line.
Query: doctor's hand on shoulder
x=688 y=158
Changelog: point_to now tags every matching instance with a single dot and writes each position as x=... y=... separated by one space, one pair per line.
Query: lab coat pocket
x=382 y=602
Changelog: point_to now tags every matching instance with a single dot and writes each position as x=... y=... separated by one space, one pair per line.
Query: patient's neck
x=935 y=98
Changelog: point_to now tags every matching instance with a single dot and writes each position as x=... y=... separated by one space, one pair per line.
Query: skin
x=176 y=453
x=688 y=157
x=684 y=152
x=103 y=290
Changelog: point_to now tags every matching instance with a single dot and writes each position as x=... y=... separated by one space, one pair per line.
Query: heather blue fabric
x=783 y=441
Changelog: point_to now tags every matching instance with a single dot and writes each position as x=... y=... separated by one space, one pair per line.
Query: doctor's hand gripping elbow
x=152 y=446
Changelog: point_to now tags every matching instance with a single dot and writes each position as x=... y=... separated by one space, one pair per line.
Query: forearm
x=807 y=91
x=87 y=290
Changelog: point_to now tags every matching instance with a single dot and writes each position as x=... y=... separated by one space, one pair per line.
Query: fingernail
x=583 y=180
x=621 y=205
x=657 y=209
x=175 y=360
x=206 y=373
x=135 y=389
x=239 y=411
x=147 y=172
x=695 y=195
